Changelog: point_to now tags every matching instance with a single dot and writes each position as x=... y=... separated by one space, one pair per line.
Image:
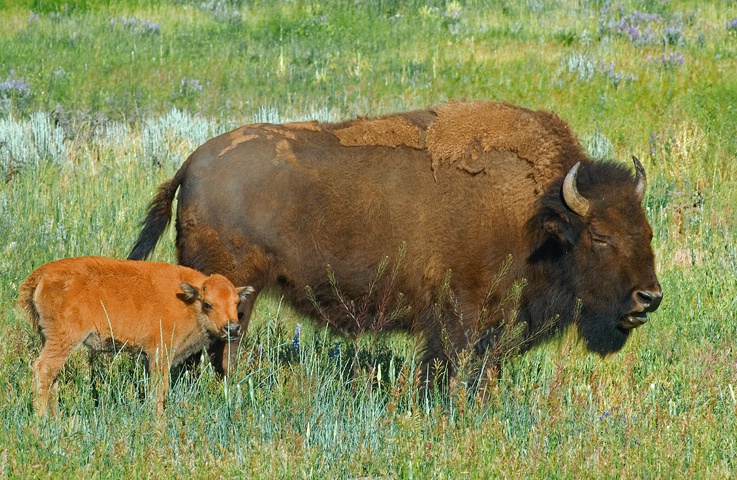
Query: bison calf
x=165 y=311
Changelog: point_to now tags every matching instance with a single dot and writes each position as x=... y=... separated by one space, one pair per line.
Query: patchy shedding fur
x=465 y=130
x=383 y=132
x=284 y=151
x=279 y=130
x=238 y=137
x=311 y=126
x=461 y=132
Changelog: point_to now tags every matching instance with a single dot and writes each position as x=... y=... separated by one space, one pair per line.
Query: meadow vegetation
x=100 y=101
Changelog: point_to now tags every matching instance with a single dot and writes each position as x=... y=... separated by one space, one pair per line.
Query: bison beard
x=466 y=189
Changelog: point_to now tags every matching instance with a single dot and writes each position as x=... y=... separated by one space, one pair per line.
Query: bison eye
x=599 y=240
x=206 y=306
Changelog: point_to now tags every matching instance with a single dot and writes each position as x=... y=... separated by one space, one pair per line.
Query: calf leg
x=46 y=369
x=162 y=387
x=158 y=376
x=94 y=374
x=146 y=376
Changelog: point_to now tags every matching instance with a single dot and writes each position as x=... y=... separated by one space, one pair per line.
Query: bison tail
x=157 y=219
x=25 y=299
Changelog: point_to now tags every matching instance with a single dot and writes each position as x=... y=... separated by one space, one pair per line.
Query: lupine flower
x=586 y=66
x=137 y=26
x=13 y=86
x=295 y=340
x=673 y=35
x=189 y=86
x=640 y=28
x=334 y=351
x=668 y=61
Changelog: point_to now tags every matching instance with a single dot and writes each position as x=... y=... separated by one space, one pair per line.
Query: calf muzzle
x=232 y=330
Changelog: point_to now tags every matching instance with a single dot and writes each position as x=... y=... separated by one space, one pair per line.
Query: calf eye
x=206 y=306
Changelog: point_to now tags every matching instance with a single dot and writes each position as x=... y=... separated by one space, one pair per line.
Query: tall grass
x=122 y=92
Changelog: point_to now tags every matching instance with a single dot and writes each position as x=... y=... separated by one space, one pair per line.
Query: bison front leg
x=435 y=366
x=224 y=356
x=451 y=332
x=448 y=346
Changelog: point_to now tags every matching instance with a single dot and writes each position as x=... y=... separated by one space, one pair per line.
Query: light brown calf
x=165 y=311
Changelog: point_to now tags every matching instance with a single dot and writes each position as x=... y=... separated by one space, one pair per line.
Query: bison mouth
x=633 y=320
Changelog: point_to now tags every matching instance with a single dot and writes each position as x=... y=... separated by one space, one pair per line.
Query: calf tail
x=25 y=299
x=158 y=217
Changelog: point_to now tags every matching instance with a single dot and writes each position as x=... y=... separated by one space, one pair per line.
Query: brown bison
x=168 y=312
x=482 y=200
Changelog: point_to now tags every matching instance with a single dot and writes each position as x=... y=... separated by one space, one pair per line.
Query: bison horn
x=640 y=179
x=573 y=199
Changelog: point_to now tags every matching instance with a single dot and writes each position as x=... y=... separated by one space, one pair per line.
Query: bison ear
x=560 y=230
x=190 y=293
x=243 y=292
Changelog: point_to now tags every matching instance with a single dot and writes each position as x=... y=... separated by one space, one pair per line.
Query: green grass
x=101 y=101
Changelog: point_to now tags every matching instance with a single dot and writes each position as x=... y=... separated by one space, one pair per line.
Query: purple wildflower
x=654 y=141
x=732 y=25
x=668 y=61
x=638 y=27
x=14 y=87
x=190 y=86
x=334 y=351
x=605 y=416
x=295 y=340
x=143 y=27
x=151 y=27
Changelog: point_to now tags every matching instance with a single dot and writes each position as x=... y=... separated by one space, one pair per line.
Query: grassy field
x=101 y=101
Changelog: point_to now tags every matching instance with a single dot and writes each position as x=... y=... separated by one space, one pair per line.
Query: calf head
x=599 y=238
x=216 y=302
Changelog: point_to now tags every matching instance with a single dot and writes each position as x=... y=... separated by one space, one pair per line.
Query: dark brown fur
x=460 y=189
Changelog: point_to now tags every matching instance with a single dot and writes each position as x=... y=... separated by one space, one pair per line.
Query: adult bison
x=482 y=200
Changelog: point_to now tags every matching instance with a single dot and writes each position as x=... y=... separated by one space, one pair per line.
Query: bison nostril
x=645 y=298
x=650 y=301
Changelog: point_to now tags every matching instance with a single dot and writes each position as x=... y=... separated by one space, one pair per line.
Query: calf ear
x=190 y=293
x=243 y=292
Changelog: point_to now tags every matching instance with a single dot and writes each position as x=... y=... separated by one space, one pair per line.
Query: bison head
x=594 y=253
